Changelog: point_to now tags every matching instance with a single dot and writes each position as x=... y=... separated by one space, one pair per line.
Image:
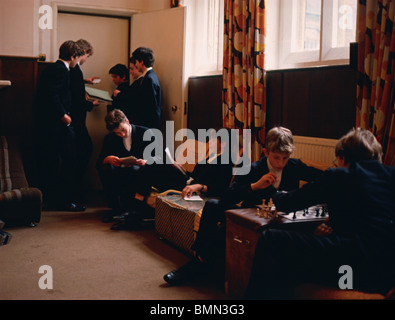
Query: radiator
x=314 y=149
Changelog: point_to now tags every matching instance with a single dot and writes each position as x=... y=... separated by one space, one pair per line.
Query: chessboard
x=268 y=210
x=311 y=213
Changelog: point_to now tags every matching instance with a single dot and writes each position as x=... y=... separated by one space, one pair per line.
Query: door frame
x=61 y=7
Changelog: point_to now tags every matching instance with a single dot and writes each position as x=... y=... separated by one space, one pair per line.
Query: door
x=109 y=37
x=163 y=31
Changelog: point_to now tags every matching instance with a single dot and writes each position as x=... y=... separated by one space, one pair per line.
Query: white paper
x=193 y=198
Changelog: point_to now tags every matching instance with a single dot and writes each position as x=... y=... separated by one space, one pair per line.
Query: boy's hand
x=265 y=181
x=140 y=162
x=113 y=160
x=323 y=230
x=92 y=80
x=66 y=119
x=189 y=190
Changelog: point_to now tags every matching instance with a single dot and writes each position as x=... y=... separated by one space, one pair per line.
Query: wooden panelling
x=204 y=103
x=17 y=104
x=16 y=101
x=315 y=102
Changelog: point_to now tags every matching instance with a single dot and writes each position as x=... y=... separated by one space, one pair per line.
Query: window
x=205 y=36
x=311 y=32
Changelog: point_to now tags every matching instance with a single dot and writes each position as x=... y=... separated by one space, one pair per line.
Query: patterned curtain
x=244 y=87
x=376 y=72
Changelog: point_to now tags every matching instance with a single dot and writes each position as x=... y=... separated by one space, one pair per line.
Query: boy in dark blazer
x=119 y=181
x=120 y=77
x=359 y=234
x=124 y=140
x=79 y=108
x=274 y=171
x=147 y=103
x=55 y=131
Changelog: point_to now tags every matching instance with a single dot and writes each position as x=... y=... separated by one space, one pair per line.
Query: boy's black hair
x=143 y=54
x=120 y=70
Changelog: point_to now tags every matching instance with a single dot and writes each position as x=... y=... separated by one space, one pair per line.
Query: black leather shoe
x=124 y=225
x=73 y=207
x=188 y=272
x=128 y=216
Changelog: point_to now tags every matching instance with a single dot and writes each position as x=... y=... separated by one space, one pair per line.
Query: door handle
x=238 y=240
x=174 y=108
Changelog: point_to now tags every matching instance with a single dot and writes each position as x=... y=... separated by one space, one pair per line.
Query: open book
x=128 y=161
x=175 y=164
x=97 y=94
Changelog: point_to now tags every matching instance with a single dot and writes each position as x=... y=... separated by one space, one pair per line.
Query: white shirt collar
x=127 y=142
x=66 y=64
x=145 y=72
x=277 y=173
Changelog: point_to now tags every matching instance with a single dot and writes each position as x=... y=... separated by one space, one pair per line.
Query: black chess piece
x=324 y=211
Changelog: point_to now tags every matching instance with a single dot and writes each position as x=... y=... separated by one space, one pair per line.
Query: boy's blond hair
x=359 y=144
x=279 y=139
x=85 y=45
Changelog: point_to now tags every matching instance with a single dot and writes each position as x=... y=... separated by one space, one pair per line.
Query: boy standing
x=55 y=131
x=79 y=108
x=120 y=77
x=147 y=103
x=275 y=171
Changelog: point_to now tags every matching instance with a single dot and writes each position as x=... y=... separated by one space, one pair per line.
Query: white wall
x=20 y=34
x=17 y=23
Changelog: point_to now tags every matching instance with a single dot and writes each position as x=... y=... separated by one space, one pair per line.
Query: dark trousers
x=211 y=237
x=122 y=183
x=284 y=259
x=56 y=163
x=84 y=149
x=118 y=185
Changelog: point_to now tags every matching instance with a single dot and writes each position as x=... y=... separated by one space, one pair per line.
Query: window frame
x=207 y=23
x=325 y=55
